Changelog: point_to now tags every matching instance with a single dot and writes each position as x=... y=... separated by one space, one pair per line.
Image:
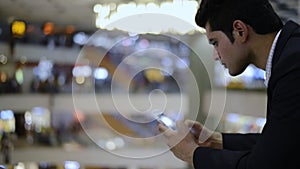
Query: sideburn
x=230 y=37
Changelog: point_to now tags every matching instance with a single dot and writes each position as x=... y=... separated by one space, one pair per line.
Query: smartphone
x=167 y=121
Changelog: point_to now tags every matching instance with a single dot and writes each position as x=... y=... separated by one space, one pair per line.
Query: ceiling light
x=97 y=8
x=149 y=18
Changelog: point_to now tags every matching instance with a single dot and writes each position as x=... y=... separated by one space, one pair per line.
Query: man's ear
x=240 y=30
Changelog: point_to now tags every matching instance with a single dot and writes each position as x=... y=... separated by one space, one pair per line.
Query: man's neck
x=261 y=47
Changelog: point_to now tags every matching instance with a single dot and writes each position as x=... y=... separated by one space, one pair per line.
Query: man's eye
x=214 y=43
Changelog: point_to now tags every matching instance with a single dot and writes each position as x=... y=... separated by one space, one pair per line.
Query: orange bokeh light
x=48 y=28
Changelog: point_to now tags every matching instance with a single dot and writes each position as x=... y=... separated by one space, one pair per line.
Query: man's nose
x=216 y=55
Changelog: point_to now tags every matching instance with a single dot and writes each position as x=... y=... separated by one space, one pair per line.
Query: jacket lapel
x=286 y=33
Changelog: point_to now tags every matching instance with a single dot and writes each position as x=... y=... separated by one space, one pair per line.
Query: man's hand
x=185 y=140
x=182 y=142
x=214 y=139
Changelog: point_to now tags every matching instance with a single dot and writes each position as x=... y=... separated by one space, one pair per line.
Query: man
x=247 y=32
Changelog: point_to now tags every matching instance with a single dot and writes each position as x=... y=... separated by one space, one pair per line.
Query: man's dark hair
x=221 y=14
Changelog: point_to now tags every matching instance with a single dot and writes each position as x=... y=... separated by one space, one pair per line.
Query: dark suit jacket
x=278 y=146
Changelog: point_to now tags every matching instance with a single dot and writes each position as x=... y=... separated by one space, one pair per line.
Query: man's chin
x=236 y=70
x=234 y=73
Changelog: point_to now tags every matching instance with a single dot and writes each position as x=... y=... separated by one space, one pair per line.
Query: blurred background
x=65 y=64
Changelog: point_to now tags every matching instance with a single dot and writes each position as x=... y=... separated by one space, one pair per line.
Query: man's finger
x=161 y=127
x=167 y=132
x=195 y=127
x=193 y=124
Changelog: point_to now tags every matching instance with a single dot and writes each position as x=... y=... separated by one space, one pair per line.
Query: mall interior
x=82 y=82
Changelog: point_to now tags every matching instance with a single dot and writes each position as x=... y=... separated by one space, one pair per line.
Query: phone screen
x=167 y=121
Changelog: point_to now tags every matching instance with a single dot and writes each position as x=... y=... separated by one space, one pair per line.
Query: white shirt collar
x=270 y=58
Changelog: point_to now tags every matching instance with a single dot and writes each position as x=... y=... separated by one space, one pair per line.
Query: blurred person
x=6 y=147
x=247 y=32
